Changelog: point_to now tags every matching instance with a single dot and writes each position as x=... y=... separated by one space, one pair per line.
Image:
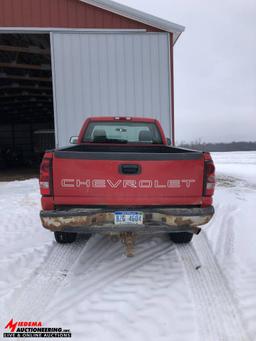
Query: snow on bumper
x=102 y=220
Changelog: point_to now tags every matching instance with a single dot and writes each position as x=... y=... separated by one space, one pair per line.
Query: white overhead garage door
x=109 y=74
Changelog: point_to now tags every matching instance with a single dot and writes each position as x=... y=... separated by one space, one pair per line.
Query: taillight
x=45 y=180
x=209 y=177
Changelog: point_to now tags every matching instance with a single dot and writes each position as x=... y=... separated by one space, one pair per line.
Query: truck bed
x=107 y=152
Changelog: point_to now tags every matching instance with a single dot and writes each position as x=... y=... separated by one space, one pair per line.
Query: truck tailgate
x=121 y=181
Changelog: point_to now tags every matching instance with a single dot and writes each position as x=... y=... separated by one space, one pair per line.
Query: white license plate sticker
x=125 y=218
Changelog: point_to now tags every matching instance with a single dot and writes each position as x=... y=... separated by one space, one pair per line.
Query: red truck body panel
x=97 y=182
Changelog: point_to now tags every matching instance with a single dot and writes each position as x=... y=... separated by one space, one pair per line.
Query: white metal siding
x=106 y=74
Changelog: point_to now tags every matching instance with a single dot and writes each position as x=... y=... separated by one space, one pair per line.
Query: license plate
x=125 y=218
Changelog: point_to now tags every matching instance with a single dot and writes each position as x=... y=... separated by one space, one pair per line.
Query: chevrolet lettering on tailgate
x=102 y=183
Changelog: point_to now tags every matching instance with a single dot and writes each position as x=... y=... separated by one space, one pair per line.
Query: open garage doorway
x=26 y=103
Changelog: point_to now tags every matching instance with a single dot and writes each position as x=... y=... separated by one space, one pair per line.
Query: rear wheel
x=181 y=237
x=64 y=237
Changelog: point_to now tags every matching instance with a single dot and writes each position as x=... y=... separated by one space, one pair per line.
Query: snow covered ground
x=203 y=291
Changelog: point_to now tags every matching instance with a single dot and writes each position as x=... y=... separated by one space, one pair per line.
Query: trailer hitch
x=128 y=239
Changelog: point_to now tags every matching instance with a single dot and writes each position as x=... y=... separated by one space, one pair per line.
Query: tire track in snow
x=100 y=263
x=19 y=267
x=244 y=287
x=224 y=222
x=228 y=181
x=29 y=302
x=216 y=310
x=247 y=284
x=103 y=267
x=126 y=298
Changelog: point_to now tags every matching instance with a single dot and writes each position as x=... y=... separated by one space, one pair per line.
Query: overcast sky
x=215 y=67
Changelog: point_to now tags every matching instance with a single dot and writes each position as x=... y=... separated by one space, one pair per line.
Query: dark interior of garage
x=26 y=102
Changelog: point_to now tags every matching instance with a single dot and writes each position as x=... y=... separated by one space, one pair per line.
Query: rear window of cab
x=122 y=132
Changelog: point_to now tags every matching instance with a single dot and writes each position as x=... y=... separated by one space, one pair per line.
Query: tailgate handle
x=129 y=169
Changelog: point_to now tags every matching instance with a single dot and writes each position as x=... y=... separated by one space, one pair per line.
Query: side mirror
x=73 y=140
x=169 y=142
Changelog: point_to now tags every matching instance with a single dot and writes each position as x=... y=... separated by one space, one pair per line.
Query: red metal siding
x=172 y=88
x=62 y=13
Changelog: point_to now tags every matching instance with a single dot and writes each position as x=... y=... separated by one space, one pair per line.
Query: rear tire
x=181 y=237
x=64 y=237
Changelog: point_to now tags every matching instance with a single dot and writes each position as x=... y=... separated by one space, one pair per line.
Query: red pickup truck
x=122 y=177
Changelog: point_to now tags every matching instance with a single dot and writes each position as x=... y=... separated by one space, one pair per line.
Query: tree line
x=219 y=146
